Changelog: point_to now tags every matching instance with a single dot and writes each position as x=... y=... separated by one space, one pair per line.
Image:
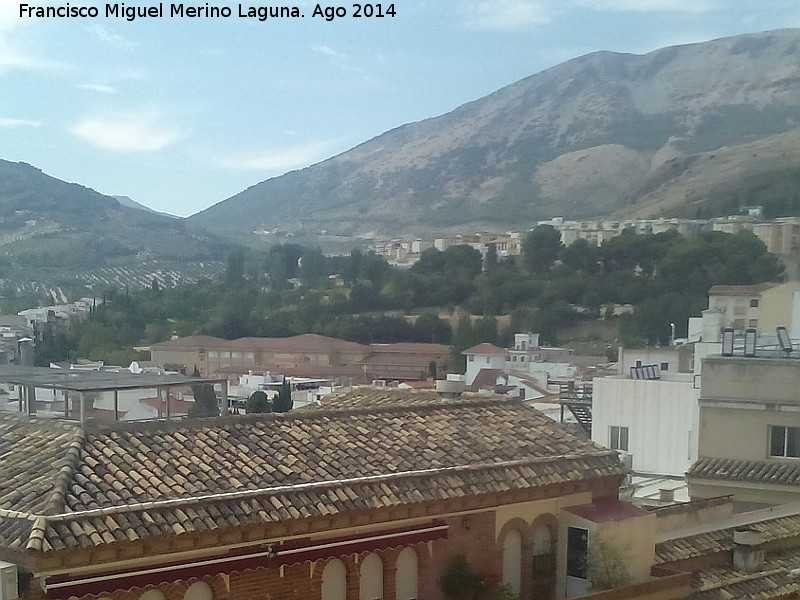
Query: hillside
x=598 y=135
x=54 y=233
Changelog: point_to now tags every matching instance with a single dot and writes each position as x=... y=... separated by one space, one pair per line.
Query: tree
x=430 y=329
x=235 y=271
x=605 y=565
x=504 y=592
x=459 y=581
x=541 y=248
x=283 y=401
x=205 y=400
x=490 y=262
x=258 y=402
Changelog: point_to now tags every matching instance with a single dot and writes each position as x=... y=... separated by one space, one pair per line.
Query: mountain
x=58 y=234
x=603 y=134
x=131 y=203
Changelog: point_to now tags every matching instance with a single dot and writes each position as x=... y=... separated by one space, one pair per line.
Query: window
x=406 y=575
x=754 y=303
x=371 y=582
x=199 y=591
x=619 y=438
x=512 y=560
x=665 y=366
x=334 y=581
x=471 y=358
x=577 y=550
x=753 y=323
x=784 y=441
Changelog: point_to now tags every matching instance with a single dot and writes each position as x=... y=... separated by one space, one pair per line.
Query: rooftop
x=65 y=486
x=92 y=381
x=485 y=348
x=755 y=471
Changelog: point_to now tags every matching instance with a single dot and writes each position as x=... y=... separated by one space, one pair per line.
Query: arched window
x=334 y=581
x=512 y=560
x=544 y=561
x=371 y=581
x=152 y=595
x=406 y=580
x=199 y=591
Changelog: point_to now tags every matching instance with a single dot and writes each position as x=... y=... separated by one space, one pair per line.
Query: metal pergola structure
x=84 y=382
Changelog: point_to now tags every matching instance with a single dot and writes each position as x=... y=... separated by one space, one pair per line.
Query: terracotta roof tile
x=138 y=480
x=757 y=471
x=721 y=540
x=485 y=349
x=773 y=580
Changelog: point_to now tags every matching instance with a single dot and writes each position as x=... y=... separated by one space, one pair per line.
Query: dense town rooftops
x=67 y=486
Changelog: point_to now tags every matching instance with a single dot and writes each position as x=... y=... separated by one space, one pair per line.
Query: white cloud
x=685 y=6
x=284 y=159
x=17 y=51
x=98 y=87
x=110 y=38
x=19 y=123
x=506 y=14
x=136 y=131
x=328 y=51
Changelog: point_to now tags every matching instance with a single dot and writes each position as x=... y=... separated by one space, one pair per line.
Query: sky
x=182 y=113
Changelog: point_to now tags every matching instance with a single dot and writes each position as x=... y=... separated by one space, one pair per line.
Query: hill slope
x=590 y=137
x=54 y=233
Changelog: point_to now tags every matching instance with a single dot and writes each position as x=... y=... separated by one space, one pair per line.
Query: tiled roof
x=485 y=349
x=410 y=348
x=741 y=290
x=192 y=341
x=308 y=342
x=772 y=581
x=375 y=398
x=485 y=379
x=299 y=343
x=759 y=471
x=721 y=540
x=68 y=487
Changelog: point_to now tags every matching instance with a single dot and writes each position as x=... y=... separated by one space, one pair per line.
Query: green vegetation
x=665 y=277
x=459 y=580
x=258 y=403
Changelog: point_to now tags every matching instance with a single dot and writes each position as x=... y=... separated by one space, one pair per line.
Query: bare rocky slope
x=598 y=135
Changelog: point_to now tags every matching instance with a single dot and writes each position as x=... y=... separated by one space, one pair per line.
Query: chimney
x=748 y=550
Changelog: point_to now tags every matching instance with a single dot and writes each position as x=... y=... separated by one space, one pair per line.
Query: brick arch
x=519 y=524
x=546 y=520
x=217 y=583
x=361 y=558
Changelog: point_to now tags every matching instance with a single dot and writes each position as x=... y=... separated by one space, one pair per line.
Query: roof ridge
x=298 y=415
x=57 y=500
x=741 y=578
x=307 y=486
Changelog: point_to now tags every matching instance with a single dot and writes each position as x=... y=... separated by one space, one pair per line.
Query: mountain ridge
x=617 y=120
x=55 y=233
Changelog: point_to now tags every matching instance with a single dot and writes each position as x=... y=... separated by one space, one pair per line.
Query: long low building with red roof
x=211 y=355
